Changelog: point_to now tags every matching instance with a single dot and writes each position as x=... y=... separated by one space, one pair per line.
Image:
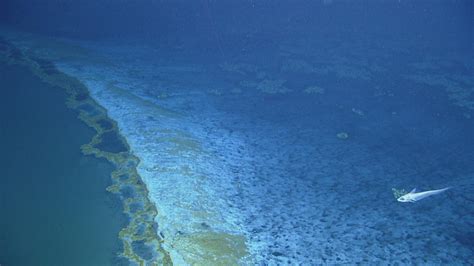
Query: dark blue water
x=287 y=123
x=53 y=203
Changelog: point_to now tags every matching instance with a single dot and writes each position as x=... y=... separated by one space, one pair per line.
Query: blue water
x=53 y=203
x=274 y=133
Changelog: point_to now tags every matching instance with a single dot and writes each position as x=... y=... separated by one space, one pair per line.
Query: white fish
x=416 y=196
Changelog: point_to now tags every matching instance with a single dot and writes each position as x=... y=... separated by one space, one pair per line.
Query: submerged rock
x=342 y=135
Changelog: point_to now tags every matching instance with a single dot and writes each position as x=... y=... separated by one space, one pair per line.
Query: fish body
x=414 y=196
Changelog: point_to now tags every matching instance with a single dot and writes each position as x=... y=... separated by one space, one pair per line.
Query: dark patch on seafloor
x=47 y=66
x=89 y=109
x=111 y=142
x=82 y=96
x=136 y=206
x=105 y=124
x=123 y=177
x=127 y=192
x=143 y=250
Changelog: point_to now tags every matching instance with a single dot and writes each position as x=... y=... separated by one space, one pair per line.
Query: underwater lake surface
x=330 y=132
x=53 y=203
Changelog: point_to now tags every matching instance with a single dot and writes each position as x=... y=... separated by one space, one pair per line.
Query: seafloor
x=291 y=161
